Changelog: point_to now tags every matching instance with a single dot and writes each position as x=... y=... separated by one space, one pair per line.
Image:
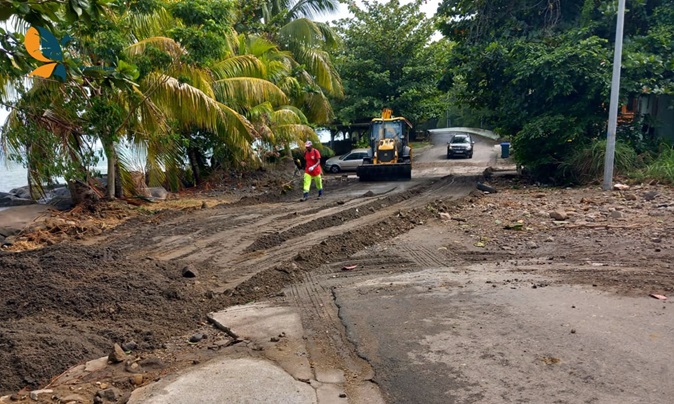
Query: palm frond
x=168 y=45
x=317 y=107
x=248 y=91
x=311 y=8
x=286 y=117
x=241 y=65
x=154 y=24
x=321 y=69
x=294 y=133
x=192 y=107
x=194 y=76
x=296 y=111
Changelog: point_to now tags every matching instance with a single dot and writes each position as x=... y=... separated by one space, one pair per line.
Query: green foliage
x=586 y=163
x=387 y=62
x=661 y=169
x=541 y=72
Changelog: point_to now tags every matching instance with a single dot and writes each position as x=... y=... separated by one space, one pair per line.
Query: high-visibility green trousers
x=318 y=180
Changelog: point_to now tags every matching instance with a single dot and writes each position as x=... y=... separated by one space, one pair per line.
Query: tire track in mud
x=272 y=240
x=423 y=256
x=320 y=246
x=327 y=342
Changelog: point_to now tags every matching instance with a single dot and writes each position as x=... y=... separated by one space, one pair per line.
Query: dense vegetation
x=540 y=71
x=197 y=85
x=172 y=81
x=387 y=61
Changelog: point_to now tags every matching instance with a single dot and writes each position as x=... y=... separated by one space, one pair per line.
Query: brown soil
x=69 y=302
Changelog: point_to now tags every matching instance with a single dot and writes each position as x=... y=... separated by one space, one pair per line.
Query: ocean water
x=12 y=176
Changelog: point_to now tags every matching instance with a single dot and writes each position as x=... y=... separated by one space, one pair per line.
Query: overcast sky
x=430 y=7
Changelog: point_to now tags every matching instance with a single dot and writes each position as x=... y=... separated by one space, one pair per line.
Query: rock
x=549 y=239
x=96 y=364
x=650 y=195
x=110 y=394
x=486 y=188
x=630 y=197
x=133 y=367
x=152 y=363
x=61 y=203
x=197 y=337
x=559 y=215
x=136 y=380
x=616 y=214
x=130 y=346
x=117 y=355
x=445 y=216
x=9 y=200
x=98 y=400
x=532 y=244
x=368 y=194
x=73 y=398
x=35 y=394
x=157 y=193
x=21 y=192
x=6 y=232
x=190 y=272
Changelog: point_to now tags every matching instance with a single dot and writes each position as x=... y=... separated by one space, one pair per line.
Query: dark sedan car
x=460 y=145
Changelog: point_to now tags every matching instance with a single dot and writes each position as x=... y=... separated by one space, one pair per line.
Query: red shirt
x=312 y=157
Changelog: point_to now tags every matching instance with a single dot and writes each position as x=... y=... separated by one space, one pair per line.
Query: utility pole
x=615 y=93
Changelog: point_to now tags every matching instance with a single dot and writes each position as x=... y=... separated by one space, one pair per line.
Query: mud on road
x=70 y=302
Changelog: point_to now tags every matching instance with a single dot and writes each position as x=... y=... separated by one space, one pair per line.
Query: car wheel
x=449 y=156
x=334 y=169
x=470 y=156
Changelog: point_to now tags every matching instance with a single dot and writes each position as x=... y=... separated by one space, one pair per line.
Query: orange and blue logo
x=43 y=46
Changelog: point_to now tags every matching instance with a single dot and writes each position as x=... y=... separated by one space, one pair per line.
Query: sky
x=430 y=7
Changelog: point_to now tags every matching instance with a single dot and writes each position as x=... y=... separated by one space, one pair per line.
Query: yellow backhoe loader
x=389 y=156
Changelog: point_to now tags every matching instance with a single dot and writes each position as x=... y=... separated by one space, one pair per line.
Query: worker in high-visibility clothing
x=312 y=170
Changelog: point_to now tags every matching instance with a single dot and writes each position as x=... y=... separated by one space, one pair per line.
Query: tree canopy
x=172 y=81
x=387 y=61
x=540 y=71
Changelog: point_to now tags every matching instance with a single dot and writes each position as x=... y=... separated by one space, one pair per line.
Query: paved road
x=433 y=162
x=457 y=333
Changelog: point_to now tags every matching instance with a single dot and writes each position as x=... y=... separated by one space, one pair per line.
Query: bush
x=586 y=163
x=660 y=169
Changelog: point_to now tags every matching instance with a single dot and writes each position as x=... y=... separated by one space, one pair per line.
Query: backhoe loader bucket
x=384 y=172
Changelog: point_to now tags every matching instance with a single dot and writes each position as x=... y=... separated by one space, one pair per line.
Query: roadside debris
x=659 y=297
x=349 y=267
x=486 y=188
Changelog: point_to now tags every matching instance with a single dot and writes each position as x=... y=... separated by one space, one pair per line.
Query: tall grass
x=586 y=163
x=660 y=169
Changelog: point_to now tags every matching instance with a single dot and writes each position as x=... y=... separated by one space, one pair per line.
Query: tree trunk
x=119 y=193
x=194 y=163
x=110 y=151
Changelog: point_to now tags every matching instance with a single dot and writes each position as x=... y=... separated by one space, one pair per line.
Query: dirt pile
x=64 y=304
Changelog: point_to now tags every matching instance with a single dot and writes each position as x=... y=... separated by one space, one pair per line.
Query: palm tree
x=288 y=24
